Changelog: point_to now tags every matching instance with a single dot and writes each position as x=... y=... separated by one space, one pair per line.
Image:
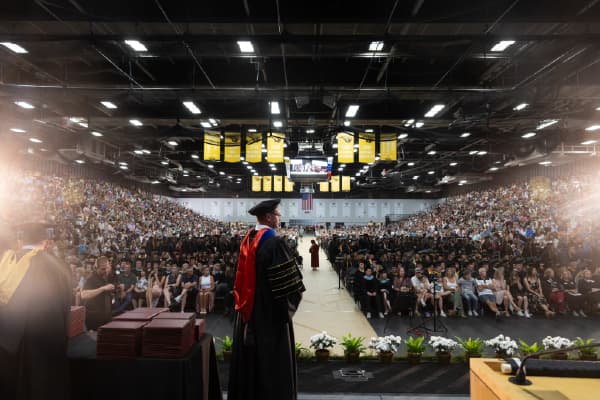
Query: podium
x=487 y=382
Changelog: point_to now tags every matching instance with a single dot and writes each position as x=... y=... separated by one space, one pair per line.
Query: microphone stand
x=520 y=377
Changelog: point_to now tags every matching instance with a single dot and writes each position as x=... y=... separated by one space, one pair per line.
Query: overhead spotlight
x=135 y=122
x=15 y=48
x=347 y=123
x=409 y=122
x=502 y=45
x=431 y=152
x=588 y=142
x=155 y=182
x=275 y=107
x=24 y=104
x=136 y=45
x=528 y=135
x=138 y=152
x=210 y=166
x=411 y=164
x=472 y=152
x=146 y=151
x=462 y=182
x=434 y=110
x=376 y=46
x=592 y=128
x=97 y=134
x=546 y=123
x=192 y=107
x=212 y=121
x=17 y=130
x=195 y=156
x=255 y=173
x=80 y=161
x=521 y=107
x=369 y=130
x=245 y=46
x=277 y=124
x=124 y=167
x=494 y=169
x=352 y=110
x=482 y=153
x=377 y=158
x=205 y=124
x=252 y=130
x=335 y=145
x=164 y=162
x=465 y=135
x=221 y=173
x=310 y=131
x=545 y=162
x=419 y=124
x=415 y=177
x=122 y=163
x=453 y=164
x=403 y=136
x=431 y=172
x=108 y=104
x=172 y=143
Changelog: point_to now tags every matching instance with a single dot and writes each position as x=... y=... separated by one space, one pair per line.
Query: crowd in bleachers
x=512 y=250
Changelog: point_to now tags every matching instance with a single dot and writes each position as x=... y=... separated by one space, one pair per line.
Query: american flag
x=307 y=202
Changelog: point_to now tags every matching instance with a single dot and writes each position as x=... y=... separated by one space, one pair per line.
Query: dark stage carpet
x=398 y=377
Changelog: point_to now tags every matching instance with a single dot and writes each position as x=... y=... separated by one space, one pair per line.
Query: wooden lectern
x=488 y=383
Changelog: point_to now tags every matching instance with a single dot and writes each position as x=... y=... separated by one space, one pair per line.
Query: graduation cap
x=264 y=207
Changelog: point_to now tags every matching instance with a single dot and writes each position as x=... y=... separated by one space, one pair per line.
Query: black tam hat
x=264 y=207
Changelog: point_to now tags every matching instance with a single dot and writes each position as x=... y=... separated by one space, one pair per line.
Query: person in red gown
x=314 y=255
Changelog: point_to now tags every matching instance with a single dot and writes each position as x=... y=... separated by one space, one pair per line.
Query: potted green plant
x=473 y=348
x=414 y=349
x=299 y=349
x=385 y=346
x=353 y=346
x=442 y=347
x=586 y=353
x=527 y=349
x=322 y=342
x=557 y=343
x=226 y=347
x=504 y=346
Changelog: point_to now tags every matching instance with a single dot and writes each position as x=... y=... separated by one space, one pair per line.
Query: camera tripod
x=432 y=324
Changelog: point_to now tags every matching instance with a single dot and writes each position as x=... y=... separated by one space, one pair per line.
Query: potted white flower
x=322 y=342
x=503 y=345
x=442 y=347
x=557 y=343
x=385 y=346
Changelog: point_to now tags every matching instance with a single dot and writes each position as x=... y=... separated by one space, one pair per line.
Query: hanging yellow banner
x=323 y=186
x=275 y=147
x=335 y=183
x=289 y=185
x=388 y=145
x=267 y=183
x=345 y=183
x=232 y=147
x=366 y=148
x=345 y=147
x=254 y=147
x=256 y=183
x=212 y=146
x=277 y=183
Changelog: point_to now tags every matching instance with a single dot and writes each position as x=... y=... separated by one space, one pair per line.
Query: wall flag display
x=335 y=183
x=275 y=142
x=256 y=183
x=388 y=147
x=289 y=185
x=267 y=183
x=323 y=186
x=345 y=183
x=345 y=142
x=366 y=148
x=212 y=146
x=254 y=147
x=232 y=147
x=277 y=183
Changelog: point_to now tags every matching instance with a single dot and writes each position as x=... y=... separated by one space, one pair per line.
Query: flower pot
x=501 y=354
x=469 y=356
x=322 y=355
x=588 y=357
x=226 y=355
x=352 y=357
x=560 y=356
x=414 y=358
x=386 y=357
x=443 y=357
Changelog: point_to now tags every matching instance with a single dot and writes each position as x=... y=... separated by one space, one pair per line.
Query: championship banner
x=335 y=183
x=275 y=147
x=345 y=147
x=345 y=183
x=388 y=145
x=256 y=183
x=277 y=183
x=323 y=186
x=289 y=185
x=267 y=183
x=366 y=148
x=232 y=147
x=254 y=147
x=212 y=146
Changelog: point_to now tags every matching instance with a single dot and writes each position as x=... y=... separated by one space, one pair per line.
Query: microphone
x=520 y=377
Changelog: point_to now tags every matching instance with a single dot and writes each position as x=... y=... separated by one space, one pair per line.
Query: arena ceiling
x=501 y=69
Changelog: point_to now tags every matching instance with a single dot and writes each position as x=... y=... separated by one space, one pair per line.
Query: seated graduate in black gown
x=35 y=297
x=268 y=289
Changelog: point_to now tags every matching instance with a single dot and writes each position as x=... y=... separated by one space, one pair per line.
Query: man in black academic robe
x=268 y=290
x=34 y=325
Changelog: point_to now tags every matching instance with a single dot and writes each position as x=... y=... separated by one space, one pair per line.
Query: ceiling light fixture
x=453 y=164
x=546 y=123
x=434 y=110
x=464 y=135
x=462 y=182
x=124 y=167
x=415 y=177
x=146 y=151
x=376 y=46
x=164 y=162
x=275 y=107
x=545 y=162
x=482 y=153
x=352 y=110
x=403 y=136
x=347 y=123
x=135 y=122
x=14 y=47
x=192 y=107
x=96 y=133
x=472 y=152
x=431 y=152
x=205 y=124
x=17 y=130
x=588 y=142
x=212 y=121
x=24 y=104
x=245 y=46
x=155 y=182
x=431 y=172
x=528 y=135
x=80 y=161
x=138 y=152
x=419 y=124
x=409 y=122
x=210 y=166
x=494 y=169
x=195 y=156
x=310 y=131
x=521 y=107
x=503 y=45
x=136 y=45
x=369 y=130
x=108 y=104
x=592 y=128
x=251 y=130
x=277 y=124
x=122 y=163
x=221 y=173
x=411 y=164
x=172 y=143
x=35 y=140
